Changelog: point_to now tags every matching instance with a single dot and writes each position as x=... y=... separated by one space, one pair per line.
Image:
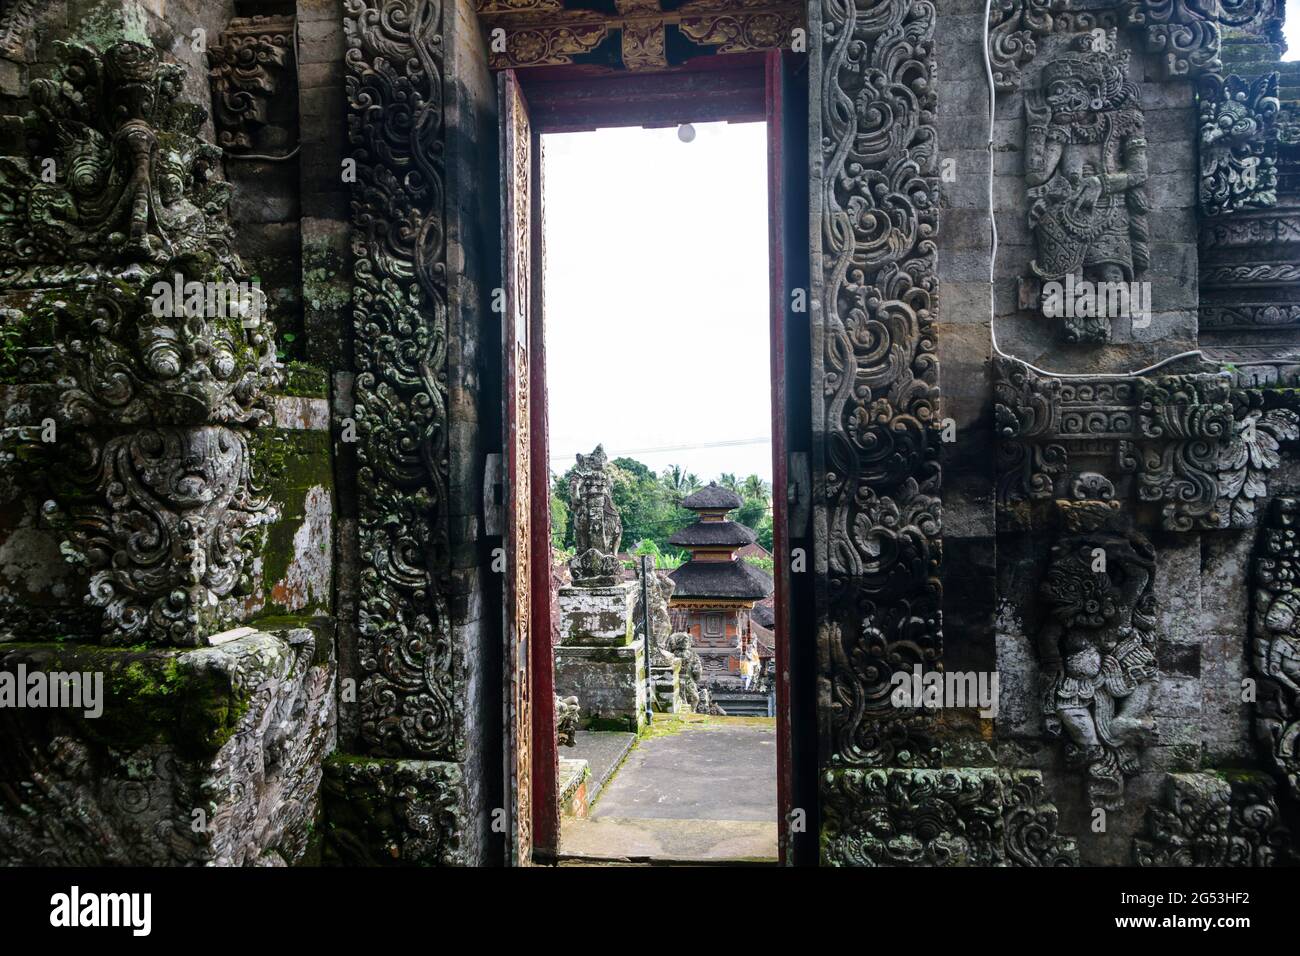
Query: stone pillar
x=599 y=659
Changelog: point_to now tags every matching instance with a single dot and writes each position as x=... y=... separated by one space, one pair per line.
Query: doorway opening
x=659 y=412
x=627 y=257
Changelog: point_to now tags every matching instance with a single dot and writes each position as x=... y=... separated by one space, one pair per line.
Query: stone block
x=206 y=756
x=597 y=617
x=609 y=682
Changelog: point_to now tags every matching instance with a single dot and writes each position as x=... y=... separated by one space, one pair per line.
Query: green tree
x=756 y=487
x=729 y=481
x=559 y=521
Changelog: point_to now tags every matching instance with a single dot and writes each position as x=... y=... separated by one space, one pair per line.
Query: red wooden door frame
x=780 y=452
x=746 y=89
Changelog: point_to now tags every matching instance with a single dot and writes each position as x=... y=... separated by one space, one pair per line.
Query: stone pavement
x=706 y=793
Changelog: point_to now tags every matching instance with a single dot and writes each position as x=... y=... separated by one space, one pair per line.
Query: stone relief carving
x=394 y=813
x=1086 y=170
x=879 y=518
x=1210 y=819
x=162 y=520
x=1015 y=27
x=912 y=818
x=1238 y=143
x=246 y=68
x=1097 y=647
x=1275 y=642
x=1030 y=821
x=955 y=817
x=1197 y=447
x=1188 y=32
x=133 y=183
x=117 y=201
x=407 y=700
x=124 y=360
x=123 y=790
x=597 y=527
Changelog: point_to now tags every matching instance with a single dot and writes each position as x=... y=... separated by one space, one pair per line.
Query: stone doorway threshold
x=695 y=790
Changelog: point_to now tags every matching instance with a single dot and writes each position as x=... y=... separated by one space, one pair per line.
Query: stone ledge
x=207 y=756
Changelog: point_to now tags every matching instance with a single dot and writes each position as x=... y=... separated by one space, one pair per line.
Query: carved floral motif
x=1200 y=447
x=879 y=518
x=407 y=700
x=1188 y=32
x=246 y=69
x=1015 y=27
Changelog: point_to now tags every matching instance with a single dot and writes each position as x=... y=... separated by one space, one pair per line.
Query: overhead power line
x=625 y=452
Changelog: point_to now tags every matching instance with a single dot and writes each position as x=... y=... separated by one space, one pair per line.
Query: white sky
x=1291 y=31
x=657 y=296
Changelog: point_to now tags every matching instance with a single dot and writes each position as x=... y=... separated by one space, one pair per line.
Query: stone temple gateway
x=274 y=462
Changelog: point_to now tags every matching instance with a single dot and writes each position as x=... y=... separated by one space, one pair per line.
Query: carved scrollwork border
x=876 y=371
x=408 y=701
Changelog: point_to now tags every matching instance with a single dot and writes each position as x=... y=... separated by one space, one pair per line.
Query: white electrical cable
x=993 y=252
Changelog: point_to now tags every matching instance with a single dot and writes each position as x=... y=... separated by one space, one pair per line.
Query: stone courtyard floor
x=694 y=789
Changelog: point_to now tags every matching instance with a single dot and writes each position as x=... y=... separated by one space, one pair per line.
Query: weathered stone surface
x=210 y=756
x=597 y=616
x=393 y=812
x=1213 y=819
x=609 y=682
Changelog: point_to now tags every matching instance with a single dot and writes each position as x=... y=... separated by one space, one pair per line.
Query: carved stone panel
x=1086 y=172
x=1213 y=819
x=1238 y=143
x=1196 y=447
x=1275 y=642
x=247 y=67
x=408 y=701
x=1097 y=648
x=876 y=373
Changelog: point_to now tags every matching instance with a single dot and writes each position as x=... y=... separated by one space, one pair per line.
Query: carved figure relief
x=1097 y=648
x=1275 y=642
x=1086 y=169
x=118 y=196
x=133 y=182
x=597 y=526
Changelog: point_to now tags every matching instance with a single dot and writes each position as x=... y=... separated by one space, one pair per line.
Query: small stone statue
x=597 y=527
x=567 y=712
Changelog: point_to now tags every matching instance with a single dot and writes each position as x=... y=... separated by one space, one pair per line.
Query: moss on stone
x=304 y=380
x=148 y=696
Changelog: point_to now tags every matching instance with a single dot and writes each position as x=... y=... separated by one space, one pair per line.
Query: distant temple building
x=716 y=592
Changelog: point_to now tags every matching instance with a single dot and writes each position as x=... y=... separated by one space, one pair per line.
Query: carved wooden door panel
x=516 y=274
